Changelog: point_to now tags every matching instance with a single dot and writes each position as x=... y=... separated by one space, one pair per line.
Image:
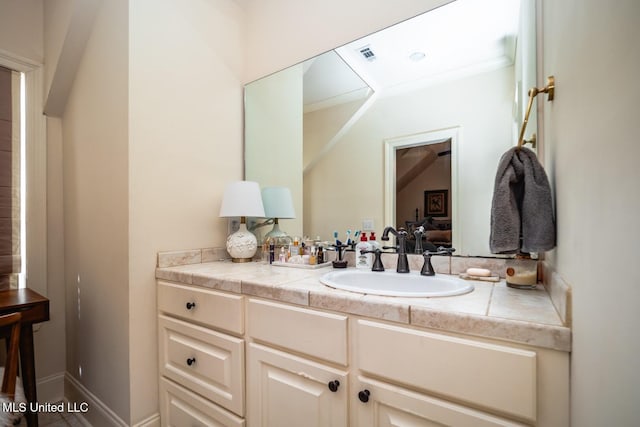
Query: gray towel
x=522 y=210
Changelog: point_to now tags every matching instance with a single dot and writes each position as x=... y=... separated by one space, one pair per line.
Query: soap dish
x=481 y=278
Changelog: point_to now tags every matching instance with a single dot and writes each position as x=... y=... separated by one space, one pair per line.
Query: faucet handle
x=441 y=250
x=377 y=262
x=427 y=268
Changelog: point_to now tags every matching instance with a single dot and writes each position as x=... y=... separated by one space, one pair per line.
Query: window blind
x=9 y=178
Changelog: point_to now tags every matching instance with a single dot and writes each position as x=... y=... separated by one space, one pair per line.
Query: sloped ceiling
x=459 y=39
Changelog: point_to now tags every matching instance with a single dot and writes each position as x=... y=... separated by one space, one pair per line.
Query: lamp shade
x=278 y=202
x=242 y=198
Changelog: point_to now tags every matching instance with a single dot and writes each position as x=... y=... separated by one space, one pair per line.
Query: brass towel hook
x=549 y=89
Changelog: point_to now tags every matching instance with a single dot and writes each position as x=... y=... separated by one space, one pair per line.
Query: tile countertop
x=492 y=310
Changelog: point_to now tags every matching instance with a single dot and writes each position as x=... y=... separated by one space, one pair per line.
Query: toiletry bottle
x=373 y=242
x=272 y=252
x=293 y=248
x=320 y=255
x=313 y=255
x=265 y=251
x=363 y=260
x=283 y=255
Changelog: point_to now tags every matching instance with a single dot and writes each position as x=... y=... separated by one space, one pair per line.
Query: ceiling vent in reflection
x=367 y=53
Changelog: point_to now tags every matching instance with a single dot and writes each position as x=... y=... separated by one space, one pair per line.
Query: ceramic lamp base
x=242 y=245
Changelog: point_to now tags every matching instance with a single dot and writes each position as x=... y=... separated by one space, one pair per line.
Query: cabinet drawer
x=492 y=376
x=208 y=362
x=201 y=305
x=315 y=333
x=181 y=407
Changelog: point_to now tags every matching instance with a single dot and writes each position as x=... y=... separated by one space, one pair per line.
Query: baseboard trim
x=152 y=421
x=99 y=413
x=51 y=388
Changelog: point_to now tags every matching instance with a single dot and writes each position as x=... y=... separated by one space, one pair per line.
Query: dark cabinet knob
x=364 y=396
x=190 y=305
x=333 y=385
x=191 y=361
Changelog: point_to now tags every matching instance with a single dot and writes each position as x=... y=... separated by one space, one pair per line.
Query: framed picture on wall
x=436 y=203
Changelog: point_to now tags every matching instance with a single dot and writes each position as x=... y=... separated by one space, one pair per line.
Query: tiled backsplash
x=191 y=256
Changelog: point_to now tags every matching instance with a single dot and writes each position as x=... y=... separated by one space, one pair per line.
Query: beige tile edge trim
x=560 y=292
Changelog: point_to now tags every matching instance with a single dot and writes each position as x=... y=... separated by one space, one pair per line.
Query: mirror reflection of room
x=322 y=127
x=423 y=188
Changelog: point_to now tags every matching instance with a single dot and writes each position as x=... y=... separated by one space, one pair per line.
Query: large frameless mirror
x=402 y=127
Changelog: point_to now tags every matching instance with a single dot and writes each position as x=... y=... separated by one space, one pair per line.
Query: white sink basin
x=390 y=283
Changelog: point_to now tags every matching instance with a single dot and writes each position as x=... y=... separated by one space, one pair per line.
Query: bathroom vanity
x=260 y=345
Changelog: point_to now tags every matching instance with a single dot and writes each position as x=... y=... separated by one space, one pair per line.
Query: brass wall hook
x=549 y=89
x=533 y=141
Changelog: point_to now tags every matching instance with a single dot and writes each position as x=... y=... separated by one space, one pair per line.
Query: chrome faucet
x=401 y=248
x=427 y=268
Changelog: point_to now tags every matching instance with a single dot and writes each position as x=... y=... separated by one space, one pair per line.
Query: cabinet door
x=390 y=405
x=286 y=390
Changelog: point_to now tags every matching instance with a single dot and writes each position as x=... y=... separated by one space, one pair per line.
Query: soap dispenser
x=363 y=260
x=373 y=242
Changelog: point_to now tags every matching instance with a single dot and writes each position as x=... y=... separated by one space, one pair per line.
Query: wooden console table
x=34 y=309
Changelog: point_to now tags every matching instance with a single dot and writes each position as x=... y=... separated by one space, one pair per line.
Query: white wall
x=21 y=30
x=591 y=146
x=96 y=213
x=185 y=144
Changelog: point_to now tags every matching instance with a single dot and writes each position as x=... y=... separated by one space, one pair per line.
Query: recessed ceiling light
x=417 y=56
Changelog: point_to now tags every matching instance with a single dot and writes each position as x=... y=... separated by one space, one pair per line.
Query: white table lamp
x=243 y=199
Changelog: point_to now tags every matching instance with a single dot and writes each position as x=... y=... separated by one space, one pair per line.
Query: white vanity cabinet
x=299 y=366
x=201 y=364
x=296 y=367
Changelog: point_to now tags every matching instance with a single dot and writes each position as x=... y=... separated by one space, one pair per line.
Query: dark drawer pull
x=191 y=361
x=333 y=385
x=191 y=305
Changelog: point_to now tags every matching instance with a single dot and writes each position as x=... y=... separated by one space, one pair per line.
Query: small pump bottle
x=363 y=260
x=373 y=242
